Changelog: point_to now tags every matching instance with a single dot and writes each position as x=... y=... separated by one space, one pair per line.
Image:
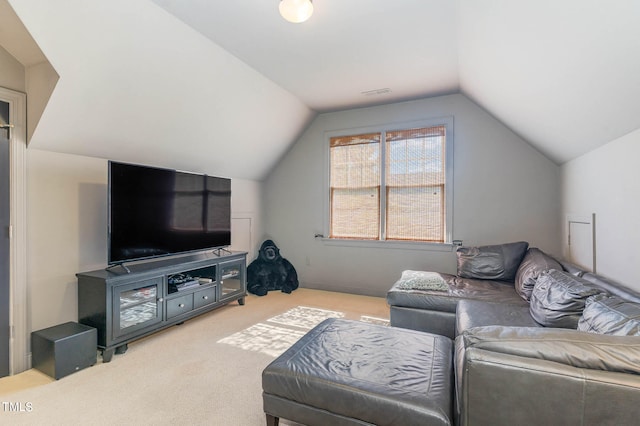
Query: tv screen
x=158 y=212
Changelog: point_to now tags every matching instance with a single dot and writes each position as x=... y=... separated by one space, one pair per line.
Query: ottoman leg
x=272 y=421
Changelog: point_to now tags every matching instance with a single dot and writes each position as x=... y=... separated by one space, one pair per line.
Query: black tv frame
x=216 y=190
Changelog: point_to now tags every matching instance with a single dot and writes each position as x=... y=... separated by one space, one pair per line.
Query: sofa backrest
x=612 y=287
x=609 y=285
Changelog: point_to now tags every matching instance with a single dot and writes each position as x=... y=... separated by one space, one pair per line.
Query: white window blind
x=355 y=186
x=389 y=185
x=415 y=182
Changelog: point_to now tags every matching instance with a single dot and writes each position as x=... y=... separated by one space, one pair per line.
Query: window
x=392 y=185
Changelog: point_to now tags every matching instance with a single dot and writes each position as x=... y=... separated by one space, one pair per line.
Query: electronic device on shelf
x=187 y=285
x=157 y=212
x=181 y=282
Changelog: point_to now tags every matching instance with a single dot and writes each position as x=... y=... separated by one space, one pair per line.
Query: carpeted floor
x=205 y=371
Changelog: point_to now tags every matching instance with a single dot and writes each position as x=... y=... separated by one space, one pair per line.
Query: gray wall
x=504 y=190
x=606 y=182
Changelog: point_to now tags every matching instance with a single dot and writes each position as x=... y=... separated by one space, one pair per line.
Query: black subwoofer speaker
x=64 y=349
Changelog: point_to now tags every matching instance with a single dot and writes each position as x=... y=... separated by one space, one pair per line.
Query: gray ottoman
x=347 y=372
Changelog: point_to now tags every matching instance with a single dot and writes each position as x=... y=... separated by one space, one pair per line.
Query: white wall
x=41 y=79
x=153 y=91
x=67 y=228
x=504 y=191
x=606 y=182
x=66 y=231
x=38 y=81
x=247 y=221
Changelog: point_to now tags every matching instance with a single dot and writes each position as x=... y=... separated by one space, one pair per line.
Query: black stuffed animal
x=271 y=272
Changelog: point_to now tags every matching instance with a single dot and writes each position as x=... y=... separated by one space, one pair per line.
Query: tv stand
x=147 y=297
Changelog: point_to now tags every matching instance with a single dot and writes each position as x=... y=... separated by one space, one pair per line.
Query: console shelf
x=125 y=304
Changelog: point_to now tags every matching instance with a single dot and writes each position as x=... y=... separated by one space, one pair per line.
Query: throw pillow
x=421 y=280
x=558 y=299
x=495 y=262
x=612 y=315
x=534 y=263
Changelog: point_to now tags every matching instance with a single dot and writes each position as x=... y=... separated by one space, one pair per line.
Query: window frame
x=447 y=245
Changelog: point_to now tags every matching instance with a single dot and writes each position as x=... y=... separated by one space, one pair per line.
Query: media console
x=127 y=304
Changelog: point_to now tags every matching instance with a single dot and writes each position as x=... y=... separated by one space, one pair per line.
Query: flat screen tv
x=157 y=212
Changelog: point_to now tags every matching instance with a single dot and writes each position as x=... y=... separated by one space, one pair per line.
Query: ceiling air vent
x=376 y=92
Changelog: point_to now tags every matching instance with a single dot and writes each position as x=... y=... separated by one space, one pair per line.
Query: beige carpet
x=205 y=371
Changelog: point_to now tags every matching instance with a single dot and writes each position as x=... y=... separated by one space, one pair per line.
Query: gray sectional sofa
x=537 y=340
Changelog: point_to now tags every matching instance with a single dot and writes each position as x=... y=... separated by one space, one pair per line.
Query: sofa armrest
x=511 y=375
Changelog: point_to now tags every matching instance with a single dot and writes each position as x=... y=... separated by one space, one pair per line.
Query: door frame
x=19 y=359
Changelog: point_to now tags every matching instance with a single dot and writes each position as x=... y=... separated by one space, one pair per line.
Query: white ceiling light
x=296 y=11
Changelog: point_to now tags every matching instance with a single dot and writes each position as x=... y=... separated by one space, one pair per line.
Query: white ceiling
x=346 y=48
x=564 y=74
x=15 y=39
x=237 y=81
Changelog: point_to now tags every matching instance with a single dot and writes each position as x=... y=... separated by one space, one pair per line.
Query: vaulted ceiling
x=227 y=86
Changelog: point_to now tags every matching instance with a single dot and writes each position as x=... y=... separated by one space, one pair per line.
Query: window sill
x=404 y=245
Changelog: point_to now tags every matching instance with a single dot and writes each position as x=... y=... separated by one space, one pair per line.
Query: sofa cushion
x=612 y=315
x=495 y=262
x=534 y=263
x=478 y=313
x=459 y=289
x=558 y=299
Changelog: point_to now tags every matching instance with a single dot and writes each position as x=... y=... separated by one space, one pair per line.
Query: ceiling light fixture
x=296 y=11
